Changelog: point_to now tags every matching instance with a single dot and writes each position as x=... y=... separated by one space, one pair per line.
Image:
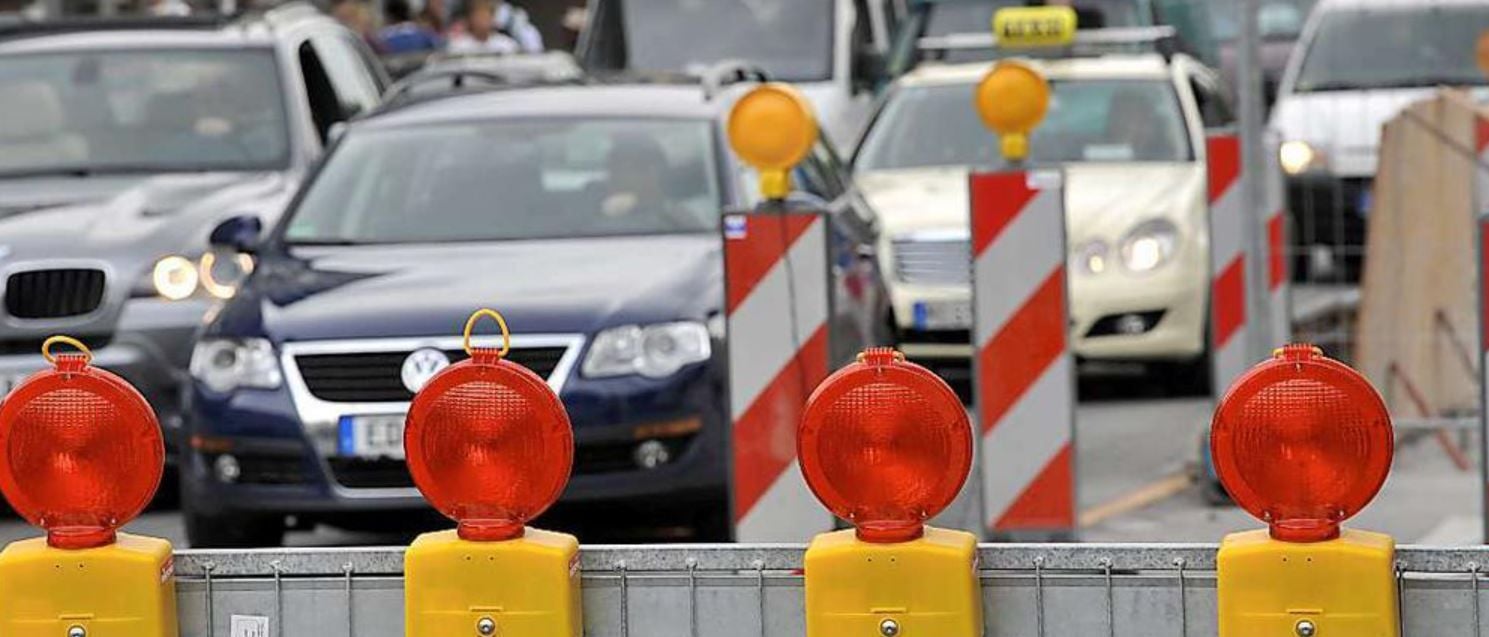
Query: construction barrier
x=1229 y=350
x=1023 y=369
x=777 y=303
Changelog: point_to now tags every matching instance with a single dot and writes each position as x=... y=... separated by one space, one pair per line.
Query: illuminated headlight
x=1093 y=257
x=1298 y=157
x=654 y=351
x=1149 y=245
x=174 y=277
x=226 y=364
x=222 y=274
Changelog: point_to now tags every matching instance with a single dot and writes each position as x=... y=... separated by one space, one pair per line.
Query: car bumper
x=1172 y=303
x=281 y=470
x=150 y=347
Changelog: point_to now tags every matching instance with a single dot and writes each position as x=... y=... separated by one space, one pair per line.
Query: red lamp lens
x=885 y=444
x=1302 y=442
x=83 y=453
x=489 y=444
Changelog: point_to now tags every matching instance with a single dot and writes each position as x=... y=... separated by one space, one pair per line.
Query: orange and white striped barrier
x=1023 y=371
x=1229 y=353
x=777 y=293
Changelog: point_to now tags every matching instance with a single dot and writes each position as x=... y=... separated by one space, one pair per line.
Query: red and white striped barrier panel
x=1279 y=283
x=1024 y=371
x=1229 y=354
x=777 y=292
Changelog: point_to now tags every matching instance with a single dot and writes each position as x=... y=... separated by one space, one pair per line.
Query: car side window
x=356 y=89
x=1214 y=108
x=325 y=106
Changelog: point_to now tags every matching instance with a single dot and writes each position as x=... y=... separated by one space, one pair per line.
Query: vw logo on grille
x=421 y=366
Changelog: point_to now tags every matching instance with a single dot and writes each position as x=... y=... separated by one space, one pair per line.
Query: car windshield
x=513 y=180
x=1357 y=48
x=790 y=39
x=1088 y=121
x=160 y=110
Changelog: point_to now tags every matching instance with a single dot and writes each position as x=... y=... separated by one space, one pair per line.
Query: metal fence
x=1146 y=590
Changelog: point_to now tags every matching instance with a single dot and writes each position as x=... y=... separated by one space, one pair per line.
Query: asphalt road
x=1135 y=453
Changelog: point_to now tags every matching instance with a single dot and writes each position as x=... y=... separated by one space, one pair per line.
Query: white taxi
x=1129 y=129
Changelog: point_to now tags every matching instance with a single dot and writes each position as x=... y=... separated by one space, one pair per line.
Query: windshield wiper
x=1421 y=81
x=325 y=242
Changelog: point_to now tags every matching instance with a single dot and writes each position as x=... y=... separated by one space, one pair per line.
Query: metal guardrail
x=1147 y=590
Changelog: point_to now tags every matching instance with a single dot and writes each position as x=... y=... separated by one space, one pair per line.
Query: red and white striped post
x=1023 y=370
x=1229 y=349
x=777 y=292
x=1279 y=284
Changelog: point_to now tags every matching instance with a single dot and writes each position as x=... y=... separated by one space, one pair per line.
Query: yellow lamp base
x=125 y=589
x=1345 y=586
x=526 y=586
x=927 y=586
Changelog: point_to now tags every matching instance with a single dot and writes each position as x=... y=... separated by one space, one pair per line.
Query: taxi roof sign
x=1031 y=27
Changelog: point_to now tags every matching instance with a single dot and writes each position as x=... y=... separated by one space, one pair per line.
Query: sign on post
x=1023 y=370
x=777 y=300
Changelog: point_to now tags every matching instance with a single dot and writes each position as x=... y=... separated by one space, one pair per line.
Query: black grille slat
x=378 y=376
x=52 y=294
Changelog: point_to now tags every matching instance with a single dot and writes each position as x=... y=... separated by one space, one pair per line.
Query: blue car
x=587 y=214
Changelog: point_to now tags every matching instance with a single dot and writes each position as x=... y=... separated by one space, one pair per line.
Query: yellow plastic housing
x=927 y=586
x=526 y=586
x=1345 y=586
x=125 y=589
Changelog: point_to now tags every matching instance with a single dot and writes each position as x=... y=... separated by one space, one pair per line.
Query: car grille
x=371 y=377
x=368 y=473
x=51 y=294
x=589 y=458
x=933 y=262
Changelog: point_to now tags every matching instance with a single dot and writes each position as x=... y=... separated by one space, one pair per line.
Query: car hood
x=1343 y=125
x=569 y=286
x=1101 y=200
x=36 y=193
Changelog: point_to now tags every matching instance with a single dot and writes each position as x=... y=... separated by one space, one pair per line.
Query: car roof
x=640 y=100
x=139 y=39
x=1148 y=66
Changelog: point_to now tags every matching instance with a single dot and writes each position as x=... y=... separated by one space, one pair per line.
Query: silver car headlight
x=228 y=364
x=1298 y=157
x=1149 y=245
x=653 y=351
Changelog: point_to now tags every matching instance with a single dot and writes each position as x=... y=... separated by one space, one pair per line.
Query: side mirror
x=869 y=68
x=240 y=233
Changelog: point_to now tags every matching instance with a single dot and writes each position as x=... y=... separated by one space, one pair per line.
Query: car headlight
x=654 y=351
x=1093 y=257
x=226 y=364
x=1298 y=157
x=175 y=277
x=1149 y=245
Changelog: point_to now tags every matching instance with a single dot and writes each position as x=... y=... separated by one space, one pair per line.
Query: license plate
x=379 y=436
x=943 y=315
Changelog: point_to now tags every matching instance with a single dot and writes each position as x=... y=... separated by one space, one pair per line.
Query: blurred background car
x=1278 y=23
x=1129 y=131
x=832 y=50
x=123 y=145
x=1357 y=64
x=588 y=213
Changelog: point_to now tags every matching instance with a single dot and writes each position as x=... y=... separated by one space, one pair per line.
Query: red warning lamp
x=488 y=442
x=83 y=450
x=886 y=445
x=1302 y=442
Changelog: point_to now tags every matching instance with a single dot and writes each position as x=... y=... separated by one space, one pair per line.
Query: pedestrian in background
x=480 y=34
x=356 y=16
x=403 y=34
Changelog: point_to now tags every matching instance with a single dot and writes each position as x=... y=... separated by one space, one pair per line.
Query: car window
x=1214 y=109
x=513 y=180
x=1400 y=46
x=141 y=110
x=1088 y=121
x=325 y=106
x=791 y=39
x=356 y=89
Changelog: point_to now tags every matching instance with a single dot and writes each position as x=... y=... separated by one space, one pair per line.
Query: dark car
x=123 y=143
x=587 y=214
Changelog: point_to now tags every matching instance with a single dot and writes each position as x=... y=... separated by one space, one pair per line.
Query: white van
x=833 y=50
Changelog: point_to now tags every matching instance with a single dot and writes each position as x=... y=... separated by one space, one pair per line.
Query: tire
x=232 y=530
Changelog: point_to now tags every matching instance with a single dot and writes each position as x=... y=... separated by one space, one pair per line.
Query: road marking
x=1454 y=530
x=1142 y=497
